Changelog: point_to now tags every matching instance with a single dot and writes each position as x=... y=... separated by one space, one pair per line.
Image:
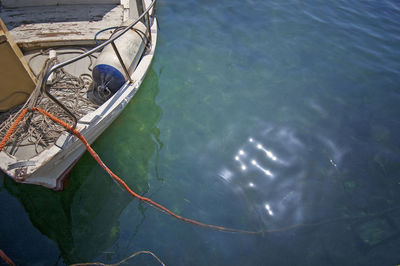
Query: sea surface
x=275 y=116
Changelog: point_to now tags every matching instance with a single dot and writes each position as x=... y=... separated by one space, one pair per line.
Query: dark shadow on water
x=84 y=218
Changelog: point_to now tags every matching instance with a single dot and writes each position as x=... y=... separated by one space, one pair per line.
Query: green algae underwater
x=74 y=217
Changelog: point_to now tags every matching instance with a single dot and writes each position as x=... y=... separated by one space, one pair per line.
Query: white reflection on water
x=267 y=152
x=276 y=171
x=289 y=138
x=335 y=152
x=313 y=104
x=237 y=158
x=226 y=174
x=270 y=155
x=268 y=208
x=265 y=171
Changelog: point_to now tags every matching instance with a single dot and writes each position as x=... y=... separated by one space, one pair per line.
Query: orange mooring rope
x=6 y=259
x=155 y=204
x=12 y=129
x=114 y=176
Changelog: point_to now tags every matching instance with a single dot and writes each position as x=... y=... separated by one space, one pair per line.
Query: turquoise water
x=256 y=115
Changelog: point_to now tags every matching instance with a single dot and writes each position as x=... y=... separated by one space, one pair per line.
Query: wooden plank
x=34 y=27
x=25 y=3
x=17 y=81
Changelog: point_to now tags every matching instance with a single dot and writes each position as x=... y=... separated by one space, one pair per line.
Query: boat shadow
x=84 y=219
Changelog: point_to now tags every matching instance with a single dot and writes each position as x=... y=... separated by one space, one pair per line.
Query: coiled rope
x=40 y=131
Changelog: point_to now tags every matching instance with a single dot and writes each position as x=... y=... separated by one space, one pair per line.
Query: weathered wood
x=34 y=27
x=25 y=3
x=17 y=81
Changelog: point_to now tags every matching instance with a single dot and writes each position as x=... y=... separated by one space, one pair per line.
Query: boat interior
x=63 y=29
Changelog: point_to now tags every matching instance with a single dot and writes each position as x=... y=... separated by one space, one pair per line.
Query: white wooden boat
x=68 y=28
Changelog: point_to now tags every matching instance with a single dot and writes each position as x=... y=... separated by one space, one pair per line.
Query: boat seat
x=56 y=25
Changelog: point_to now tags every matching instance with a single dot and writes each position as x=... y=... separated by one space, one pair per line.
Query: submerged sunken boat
x=80 y=60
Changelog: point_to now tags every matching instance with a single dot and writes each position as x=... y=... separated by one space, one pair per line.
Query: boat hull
x=50 y=168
